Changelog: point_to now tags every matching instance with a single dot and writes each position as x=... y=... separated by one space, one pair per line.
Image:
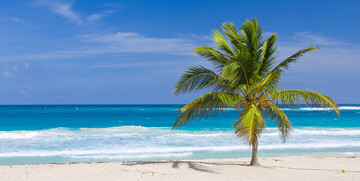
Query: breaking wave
x=136 y=142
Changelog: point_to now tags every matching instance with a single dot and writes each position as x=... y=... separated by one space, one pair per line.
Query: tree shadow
x=199 y=165
x=195 y=165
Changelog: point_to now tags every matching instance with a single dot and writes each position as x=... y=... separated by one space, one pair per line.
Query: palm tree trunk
x=254 y=158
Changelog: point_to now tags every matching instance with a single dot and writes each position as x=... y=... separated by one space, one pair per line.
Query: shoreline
x=338 y=167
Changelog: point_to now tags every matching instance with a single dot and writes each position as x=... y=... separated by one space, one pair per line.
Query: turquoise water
x=92 y=133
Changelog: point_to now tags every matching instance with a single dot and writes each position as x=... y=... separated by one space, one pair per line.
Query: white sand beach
x=279 y=168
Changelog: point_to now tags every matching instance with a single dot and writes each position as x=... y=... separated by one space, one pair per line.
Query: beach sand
x=279 y=168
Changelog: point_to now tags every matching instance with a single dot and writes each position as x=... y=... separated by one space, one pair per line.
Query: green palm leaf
x=268 y=84
x=202 y=107
x=234 y=70
x=293 y=98
x=214 y=56
x=251 y=34
x=200 y=78
x=268 y=55
x=221 y=42
x=231 y=32
x=251 y=123
x=281 y=120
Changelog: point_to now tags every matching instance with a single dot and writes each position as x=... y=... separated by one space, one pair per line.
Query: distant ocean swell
x=325 y=109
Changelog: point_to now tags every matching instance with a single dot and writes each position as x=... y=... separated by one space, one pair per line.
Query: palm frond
x=268 y=84
x=210 y=103
x=251 y=34
x=286 y=63
x=293 y=98
x=214 y=56
x=236 y=72
x=281 y=120
x=221 y=42
x=231 y=32
x=251 y=123
x=199 y=78
x=268 y=55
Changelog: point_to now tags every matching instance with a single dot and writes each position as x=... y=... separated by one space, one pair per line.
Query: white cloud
x=8 y=71
x=98 y=16
x=137 y=64
x=13 y=19
x=205 y=37
x=17 y=20
x=115 y=5
x=333 y=56
x=6 y=74
x=64 y=9
x=324 y=60
x=121 y=42
x=131 y=42
x=26 y=92
x=316 y=39
x=95 y=17
x=268 y=34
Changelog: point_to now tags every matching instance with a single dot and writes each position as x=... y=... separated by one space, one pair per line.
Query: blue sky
x=132 y=52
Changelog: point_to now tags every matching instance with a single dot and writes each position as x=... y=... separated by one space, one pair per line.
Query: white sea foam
x=171 y=155
x=18 y=134
x=351 y=153
x=329 y=132
x=349 y=107
x=146 y=151
x=128 y=142
x=315 y=109
x=201 y=134
x=324 y=109
x=131 y=131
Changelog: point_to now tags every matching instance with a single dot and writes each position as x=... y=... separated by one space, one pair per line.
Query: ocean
x=107 y=133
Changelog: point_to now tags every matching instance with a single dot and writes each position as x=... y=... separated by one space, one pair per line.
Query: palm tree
x=245 y=77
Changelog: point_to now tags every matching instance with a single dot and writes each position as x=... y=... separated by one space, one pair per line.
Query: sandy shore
x=281 y=168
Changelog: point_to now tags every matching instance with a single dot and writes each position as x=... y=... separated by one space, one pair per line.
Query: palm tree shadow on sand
x=176 y=164
x=200 y=166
